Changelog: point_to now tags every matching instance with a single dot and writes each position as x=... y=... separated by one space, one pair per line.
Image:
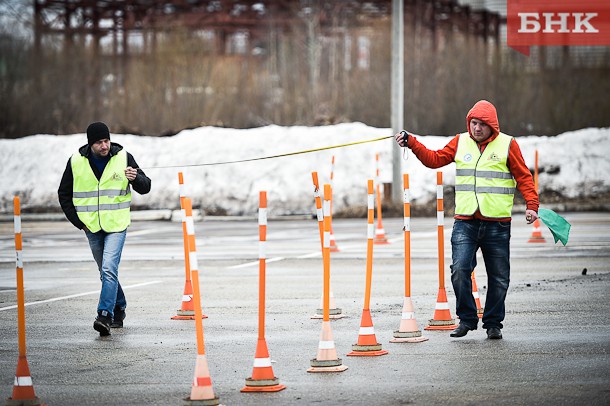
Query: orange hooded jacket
x=486 y=112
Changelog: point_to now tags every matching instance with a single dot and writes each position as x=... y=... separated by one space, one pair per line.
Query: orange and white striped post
x=262 y=379
x=367 y=344
x=333 y=243
x=186 y=311
x=380 y=237
x=408 y=331
x=475 y=294
x=23 y=389
x=536 y=236
x=334 y=311
x=442 y=315
x=202 y=392
x=326 y=359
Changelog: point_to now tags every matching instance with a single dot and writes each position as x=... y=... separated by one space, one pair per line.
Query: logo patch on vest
x=467 y=158
x=494 y=157
x=116 y=177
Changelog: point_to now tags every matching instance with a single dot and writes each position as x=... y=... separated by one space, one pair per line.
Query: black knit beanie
x=97 y=131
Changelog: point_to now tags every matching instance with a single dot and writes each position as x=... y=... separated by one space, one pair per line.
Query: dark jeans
x=493 y=238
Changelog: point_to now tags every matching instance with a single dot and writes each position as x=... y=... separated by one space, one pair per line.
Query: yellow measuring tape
x=273 y=156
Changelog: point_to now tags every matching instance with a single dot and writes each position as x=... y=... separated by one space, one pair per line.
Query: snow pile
x=574 y=164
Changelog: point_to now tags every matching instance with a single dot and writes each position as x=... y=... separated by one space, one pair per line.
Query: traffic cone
x=202 y=392
x=23 y=389
x=333 y=243
x=442 y=316
x=187 y=311
x=262 y=379
x=334 y=311
x=408 y=331
x=475 y=294
x=367 y=344
x=536 y=233
x=326 y=359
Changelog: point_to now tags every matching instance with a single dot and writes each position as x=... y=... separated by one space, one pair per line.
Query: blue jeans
x=493 y=238
x=107 y=249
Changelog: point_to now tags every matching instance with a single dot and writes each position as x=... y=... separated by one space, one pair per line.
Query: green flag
x=559 y=226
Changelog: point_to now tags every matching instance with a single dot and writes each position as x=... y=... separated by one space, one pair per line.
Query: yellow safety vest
x=104 y=204
x=483 y=181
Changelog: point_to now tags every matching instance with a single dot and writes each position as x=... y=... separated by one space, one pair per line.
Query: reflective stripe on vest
x=483 y=181
x=104 y=204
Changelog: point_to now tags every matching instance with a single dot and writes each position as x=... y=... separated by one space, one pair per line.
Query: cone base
x=201 y=402
x=262 y=385
x=334 y=249
x=440 y=327
x=381 y=242
x=536 y=239
x=408 y=340
x=337 y=314
x=24 y=402
x=339 y=368
x=408 y=337
x=372 y=353
x=179 y=317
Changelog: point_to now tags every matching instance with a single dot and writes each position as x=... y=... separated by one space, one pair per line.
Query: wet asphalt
x=555 y=348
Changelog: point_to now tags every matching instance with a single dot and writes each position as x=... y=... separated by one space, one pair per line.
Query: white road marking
x=55 y=299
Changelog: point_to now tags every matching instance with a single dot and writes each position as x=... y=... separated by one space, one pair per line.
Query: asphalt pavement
x=555 y=348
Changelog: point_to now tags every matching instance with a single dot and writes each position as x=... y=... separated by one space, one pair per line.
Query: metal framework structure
x=118 y=18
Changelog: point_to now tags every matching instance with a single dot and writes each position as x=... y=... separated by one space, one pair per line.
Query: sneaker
x=102 y=324
x=117 y=321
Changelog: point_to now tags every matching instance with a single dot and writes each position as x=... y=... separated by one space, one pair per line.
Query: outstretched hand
x=402 y=138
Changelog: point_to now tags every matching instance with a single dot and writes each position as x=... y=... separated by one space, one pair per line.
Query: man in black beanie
x=95 y=195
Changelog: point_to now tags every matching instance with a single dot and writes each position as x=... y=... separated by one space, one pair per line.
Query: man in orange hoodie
x=489 y=166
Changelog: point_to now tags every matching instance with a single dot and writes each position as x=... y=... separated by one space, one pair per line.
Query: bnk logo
x=558 y=22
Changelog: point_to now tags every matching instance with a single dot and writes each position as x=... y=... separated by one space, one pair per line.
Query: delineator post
x=334 y=311
x=326 y=359
x=367 y=344
x=442 y=315
x=380 y=237
x=262 y=379
x=202 y=392
x=23 y=388
x=186 y=311
x=408 y=331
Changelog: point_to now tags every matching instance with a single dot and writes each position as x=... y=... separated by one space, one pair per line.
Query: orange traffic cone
x=202 y=392
x=367 y=341
x=442 y=316
x=262 y=379
x=408 y=331
x=326 y=359
x=475 y=294
x=333 y=243
x=186 y=311
x=536 y=233
x=23 y=390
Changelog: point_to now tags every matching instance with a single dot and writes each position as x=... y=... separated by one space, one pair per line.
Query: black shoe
x=117 y=321
x=461 y=330
x=494 y=333
x=102 y=324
